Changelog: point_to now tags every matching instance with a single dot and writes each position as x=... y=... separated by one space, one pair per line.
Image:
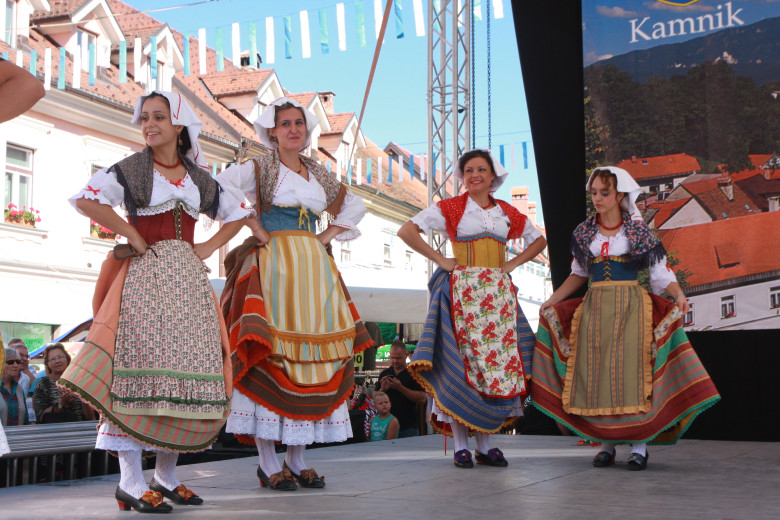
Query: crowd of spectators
x=33 y=397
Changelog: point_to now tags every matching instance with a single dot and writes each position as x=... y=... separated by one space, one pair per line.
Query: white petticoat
x=110 y=437
x=249 y=418
x=3 y=443
x=517 y=411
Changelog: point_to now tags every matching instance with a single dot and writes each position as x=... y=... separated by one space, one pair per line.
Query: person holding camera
x=404 y=392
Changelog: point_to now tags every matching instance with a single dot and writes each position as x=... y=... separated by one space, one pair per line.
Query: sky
x=615 y=28
x=397 y=105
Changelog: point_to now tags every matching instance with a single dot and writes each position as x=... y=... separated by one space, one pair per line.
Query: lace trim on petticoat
x=165 y=207
x=249 y=418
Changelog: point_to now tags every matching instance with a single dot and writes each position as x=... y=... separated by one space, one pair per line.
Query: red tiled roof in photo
x=645 y=168
x=666 y=209
x=725 y=249
x=304 y=98
x=710 y=195
x=338 y=122
x=233 y=83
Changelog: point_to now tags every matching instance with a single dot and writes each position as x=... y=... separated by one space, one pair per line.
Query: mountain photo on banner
x=685 y=96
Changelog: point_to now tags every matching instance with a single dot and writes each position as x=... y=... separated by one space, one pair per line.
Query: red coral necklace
x=608 y=228
x=169 y=166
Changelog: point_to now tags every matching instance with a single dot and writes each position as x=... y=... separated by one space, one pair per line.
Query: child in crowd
x=384 y=425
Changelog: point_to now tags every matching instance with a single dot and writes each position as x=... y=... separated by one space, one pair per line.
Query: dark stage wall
x=743 y=364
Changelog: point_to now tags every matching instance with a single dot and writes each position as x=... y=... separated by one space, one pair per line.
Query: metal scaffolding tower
x=449 y=106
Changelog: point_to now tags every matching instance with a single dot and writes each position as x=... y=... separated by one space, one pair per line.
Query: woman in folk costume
x=474 y=355
x=616 y=365
x=155 y=363
x=293 y=329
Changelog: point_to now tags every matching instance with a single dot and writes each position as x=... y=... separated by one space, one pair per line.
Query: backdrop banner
x=685 y=96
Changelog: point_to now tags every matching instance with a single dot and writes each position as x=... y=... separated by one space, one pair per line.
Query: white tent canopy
x=380 y=294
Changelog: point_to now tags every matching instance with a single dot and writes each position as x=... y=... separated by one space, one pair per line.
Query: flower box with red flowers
x=102 y=232
x=23 y=216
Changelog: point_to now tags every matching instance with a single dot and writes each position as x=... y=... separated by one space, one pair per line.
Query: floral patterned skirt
x=168 y=358
x=441 y=365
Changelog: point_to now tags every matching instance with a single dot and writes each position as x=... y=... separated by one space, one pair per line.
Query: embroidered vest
x=454 y=208
x=267 y=172
x=134 y=173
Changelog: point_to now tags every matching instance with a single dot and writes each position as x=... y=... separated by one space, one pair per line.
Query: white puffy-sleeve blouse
x=292 y=190
x=105 y=188
x=475 y=221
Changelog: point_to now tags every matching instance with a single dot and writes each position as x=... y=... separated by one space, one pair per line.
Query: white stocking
x=268 y=461
x=294 y=458
x=640 y=448
x=131 y=473
x=165 y=467
x=461 y=436
x=606 y=446
x=483 y=443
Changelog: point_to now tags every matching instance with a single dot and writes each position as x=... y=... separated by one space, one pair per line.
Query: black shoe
x=463 y=459
x=493 y=457
x=308 y=477
x=282 y=481
x=150 y=502
x=637 y=462
x=604 y=459
x=181 y=495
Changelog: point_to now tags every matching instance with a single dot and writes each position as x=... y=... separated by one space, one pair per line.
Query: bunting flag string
x=377 y=17
x=92 y=64
x=287 y=37
x=61 y=76
x=419 y=21
x=389 y=168
x=399 y=19
x=147 y=58
x=47 y=69
x=253 y=44
x=324 y=31
x=201 y=51
x=305 y=39
x=220 y=50
x=361 y=24
x=269 y=39
x=153 y=57
x=236 y=44
x=341 y=25
x=185 y=54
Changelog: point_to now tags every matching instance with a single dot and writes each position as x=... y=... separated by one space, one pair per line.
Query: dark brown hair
x=466 y=157
x=184 y=136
